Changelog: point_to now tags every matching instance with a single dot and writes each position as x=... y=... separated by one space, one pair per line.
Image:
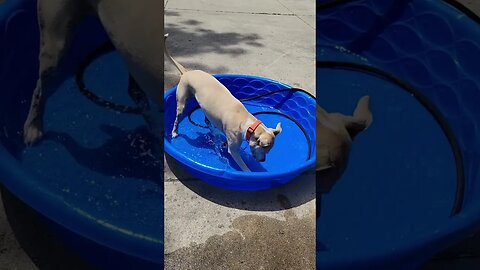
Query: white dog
x=134 y=27
x=224 y=112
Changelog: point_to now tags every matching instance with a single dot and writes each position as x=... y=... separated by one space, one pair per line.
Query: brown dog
x=134 y=27
x=335 y=133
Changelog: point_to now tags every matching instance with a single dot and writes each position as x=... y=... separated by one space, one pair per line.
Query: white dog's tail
x=177 y=65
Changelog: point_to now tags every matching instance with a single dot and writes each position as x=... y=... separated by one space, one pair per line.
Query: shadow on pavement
x=298 y=191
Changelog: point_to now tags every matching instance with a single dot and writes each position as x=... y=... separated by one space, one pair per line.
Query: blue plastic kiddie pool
x=411 y=187
x=93 y=176
x=203 y=157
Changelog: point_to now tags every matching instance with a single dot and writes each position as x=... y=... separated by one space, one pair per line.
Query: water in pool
x=98 y=161
x=201 y=146
x=400 y=181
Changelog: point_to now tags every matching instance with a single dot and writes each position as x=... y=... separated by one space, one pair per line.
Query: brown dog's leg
x=136 y=30
x=362 y=117
x=56 y=19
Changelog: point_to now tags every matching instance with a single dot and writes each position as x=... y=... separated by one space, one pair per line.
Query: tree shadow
x=172 y=77
x=189 y=38
x=298 y=191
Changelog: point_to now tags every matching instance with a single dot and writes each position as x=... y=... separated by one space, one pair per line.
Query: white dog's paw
x=174 y=134
x=31 y=133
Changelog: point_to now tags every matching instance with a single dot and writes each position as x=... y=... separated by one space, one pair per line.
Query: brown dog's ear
x=362 y=112
x=362 y=117
x=277 y=130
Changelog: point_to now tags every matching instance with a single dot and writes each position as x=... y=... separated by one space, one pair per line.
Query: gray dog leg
x=56 y=18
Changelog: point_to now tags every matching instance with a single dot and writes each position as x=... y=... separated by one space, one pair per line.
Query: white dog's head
x=262 y=140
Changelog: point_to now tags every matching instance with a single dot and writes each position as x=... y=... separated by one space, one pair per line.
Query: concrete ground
x=213 y=228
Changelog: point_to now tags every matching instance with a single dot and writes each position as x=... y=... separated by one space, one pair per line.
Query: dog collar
x=252 y=128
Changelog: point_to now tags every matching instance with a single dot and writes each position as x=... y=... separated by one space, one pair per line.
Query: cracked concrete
x=254 y=242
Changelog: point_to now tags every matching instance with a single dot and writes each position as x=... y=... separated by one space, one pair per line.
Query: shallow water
x=401 y=178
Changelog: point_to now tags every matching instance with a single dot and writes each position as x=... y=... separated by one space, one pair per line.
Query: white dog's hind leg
x=182 y=95
x=136 y=30
x=56 y=18
x=32 y=128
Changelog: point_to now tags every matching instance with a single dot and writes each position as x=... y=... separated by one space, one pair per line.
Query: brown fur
x=134 y=27
x=335 y=133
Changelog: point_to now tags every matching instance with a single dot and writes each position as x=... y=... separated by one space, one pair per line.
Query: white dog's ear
x=278 y=129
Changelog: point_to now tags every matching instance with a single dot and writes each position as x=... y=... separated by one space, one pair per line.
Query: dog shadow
x=298 y=191
x=132 y=154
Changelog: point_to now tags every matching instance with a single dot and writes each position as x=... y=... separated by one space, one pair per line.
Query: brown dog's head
x=262 y=141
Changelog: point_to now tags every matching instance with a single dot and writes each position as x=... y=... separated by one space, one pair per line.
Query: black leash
x=432 y=109
x=441 y=120
x=132 y=86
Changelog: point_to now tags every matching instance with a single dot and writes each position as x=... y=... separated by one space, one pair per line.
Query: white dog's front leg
x=233 y=150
